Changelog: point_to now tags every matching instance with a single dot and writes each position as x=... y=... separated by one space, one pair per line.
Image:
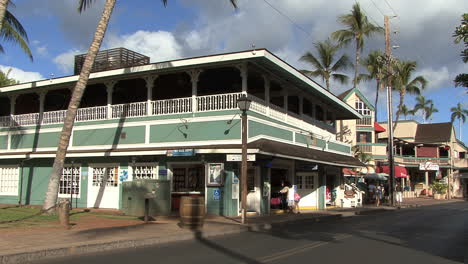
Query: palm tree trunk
x=460 y=127
x=3 y=8
x=52 y=189
x=356 y=67
x=398 y=113
x=327 y=82
x=376 y=98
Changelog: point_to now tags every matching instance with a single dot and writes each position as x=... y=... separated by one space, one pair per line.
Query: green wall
x=256 y=128
x=339 y=147
x=38 y=140
x=3 y=142
x=109 y=136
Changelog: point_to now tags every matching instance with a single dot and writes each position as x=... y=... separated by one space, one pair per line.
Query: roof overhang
x=261 y=57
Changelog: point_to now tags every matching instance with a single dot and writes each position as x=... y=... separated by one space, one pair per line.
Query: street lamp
x=244 y=104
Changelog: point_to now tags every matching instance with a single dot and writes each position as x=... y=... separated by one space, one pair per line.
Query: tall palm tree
x=11 y=29
x=404 y=83
x=459 y=113
x=405 y=111
x=423 y=105
x=357 y=28
x=80 y=86
x=429 y=111
x=375 y=67
x=324 y=65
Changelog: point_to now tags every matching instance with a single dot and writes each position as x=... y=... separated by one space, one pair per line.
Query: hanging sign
x=428 y=166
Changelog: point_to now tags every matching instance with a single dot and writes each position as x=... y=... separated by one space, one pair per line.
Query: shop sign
x=180 y=153
x=238 y=157
x=428 y=166
x=307 y=167
x=162 y=172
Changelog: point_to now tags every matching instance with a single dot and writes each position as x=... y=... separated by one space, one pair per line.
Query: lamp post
x=244 y=104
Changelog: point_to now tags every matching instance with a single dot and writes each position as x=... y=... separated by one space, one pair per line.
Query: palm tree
x=459 y=113
x=404 y=84
x=423 y=105
x=357 y=27
x=376 y=71
x=405 y=111
x=324 y=65
x=429 y=111
x=80 y=86
x=11 y=29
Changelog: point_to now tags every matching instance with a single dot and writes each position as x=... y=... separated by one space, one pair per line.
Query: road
x=435 y=234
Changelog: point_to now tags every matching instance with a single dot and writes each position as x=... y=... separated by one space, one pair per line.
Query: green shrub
x=440 y=188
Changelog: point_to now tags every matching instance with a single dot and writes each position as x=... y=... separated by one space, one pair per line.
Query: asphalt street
x=431 y=234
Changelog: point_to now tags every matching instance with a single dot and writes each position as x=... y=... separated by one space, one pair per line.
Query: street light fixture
x=244 y=104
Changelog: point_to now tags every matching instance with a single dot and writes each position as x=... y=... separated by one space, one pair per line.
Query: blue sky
x=188 y=28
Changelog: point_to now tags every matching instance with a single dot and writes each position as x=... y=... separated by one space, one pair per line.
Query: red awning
x=400 y=172
x=378 y=128
x=349 y=172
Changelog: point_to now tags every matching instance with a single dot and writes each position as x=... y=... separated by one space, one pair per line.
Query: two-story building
x=429 y=152
x=176 y=121
x=362 y=133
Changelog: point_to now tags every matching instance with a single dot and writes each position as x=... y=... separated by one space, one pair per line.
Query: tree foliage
x=5 y=80
x=13 y=31
x=461 y=35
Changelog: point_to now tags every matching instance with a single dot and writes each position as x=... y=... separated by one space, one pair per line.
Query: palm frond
x=343 y=79
x=8 y=33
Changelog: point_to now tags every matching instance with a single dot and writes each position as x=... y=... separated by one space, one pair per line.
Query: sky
x=186 y=28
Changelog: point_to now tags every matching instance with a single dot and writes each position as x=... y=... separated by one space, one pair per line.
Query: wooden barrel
x=192 y=211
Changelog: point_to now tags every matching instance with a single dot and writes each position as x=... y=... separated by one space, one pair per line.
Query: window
x=305 y=181
x=188 y=179
x=70 y=181
x=9 y=180
x=364 y=137
x=105 y=175
x=362 y=108
x=144 y=172
x=251 y=180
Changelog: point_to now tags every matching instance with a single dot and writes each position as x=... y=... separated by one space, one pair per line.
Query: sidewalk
x=25 y=245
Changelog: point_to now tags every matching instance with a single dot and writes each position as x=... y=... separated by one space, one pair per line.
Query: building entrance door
x=254 y=192
x=103 y=187
x=307 y=188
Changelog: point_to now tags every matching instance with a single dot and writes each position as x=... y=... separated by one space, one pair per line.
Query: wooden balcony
x=417 y=160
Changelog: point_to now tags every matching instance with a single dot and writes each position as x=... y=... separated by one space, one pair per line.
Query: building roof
x=437 y=132
x=261 y=58
x=346 y=94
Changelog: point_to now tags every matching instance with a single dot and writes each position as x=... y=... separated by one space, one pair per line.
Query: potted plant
x=440 y=189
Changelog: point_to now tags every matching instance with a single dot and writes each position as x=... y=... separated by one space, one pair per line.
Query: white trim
x=62 y=195
x=310 y=160
x=147 y=134
x=17 y=171
x=153 y=164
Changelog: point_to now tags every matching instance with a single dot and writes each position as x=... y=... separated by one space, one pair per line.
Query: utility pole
x=388 y=60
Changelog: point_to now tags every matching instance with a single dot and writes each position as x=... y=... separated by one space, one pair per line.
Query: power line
x=288 y=18
x=393 y=10
x=377 y=8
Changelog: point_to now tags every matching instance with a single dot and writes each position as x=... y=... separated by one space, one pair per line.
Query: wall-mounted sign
x=428 y=166
x=162 y=172
x=180 y=153
x=217 y=194
x=238 y=157
x=307 y=167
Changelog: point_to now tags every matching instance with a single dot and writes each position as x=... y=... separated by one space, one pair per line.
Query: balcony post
x=244 y=75
x=301 y=105
x=149 y=92
x=42 y=96
x=285 y=103
x=267 y=93
x=110 y=90
x=194 y=77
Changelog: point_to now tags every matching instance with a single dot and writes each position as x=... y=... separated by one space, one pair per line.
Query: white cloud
x=21 y=75
x=436 y=78
x=65 y=61
x=158 y=45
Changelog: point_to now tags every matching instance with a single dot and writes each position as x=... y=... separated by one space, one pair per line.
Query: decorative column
x=194 y=77
x=266 y=82
x=149 y=92
x=110 y=90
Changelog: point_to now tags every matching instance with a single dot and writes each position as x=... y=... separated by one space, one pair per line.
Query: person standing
x=398 y=194
x=378 y=194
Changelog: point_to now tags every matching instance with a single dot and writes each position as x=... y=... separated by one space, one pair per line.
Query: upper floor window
x=362 y=108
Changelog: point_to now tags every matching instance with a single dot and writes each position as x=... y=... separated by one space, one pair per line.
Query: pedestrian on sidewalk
x=399 y=194
x=291 y=202
x=297 y=199
x=284 y=195
x=379 y=194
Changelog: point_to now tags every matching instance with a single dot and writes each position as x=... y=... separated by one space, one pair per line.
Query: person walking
x=284 y=195
x=378 y=194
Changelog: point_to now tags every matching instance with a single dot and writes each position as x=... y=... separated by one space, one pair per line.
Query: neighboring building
x=176 y=121
x=362 y=133
x=429 y=152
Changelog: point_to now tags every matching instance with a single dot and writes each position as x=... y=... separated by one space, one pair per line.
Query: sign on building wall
x=428 y=166
x=215 y=174
x=238 y=157
x=180 y=153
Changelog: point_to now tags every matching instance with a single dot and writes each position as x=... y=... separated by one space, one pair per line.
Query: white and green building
x=176 y=121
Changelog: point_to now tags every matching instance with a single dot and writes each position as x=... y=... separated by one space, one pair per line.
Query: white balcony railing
x=171 y=106
x=365 y=121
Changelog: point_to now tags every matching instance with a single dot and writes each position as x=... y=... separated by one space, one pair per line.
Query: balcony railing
x=365 y=121
x=418 y=160
x=206 y=103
